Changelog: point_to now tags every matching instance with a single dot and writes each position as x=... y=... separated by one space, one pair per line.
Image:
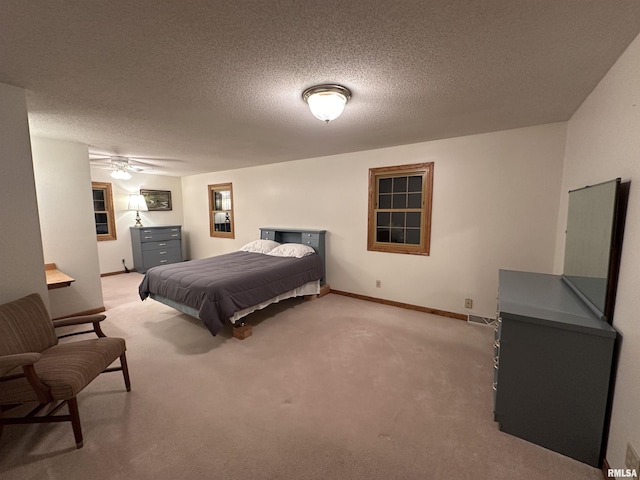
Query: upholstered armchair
x=35 y=368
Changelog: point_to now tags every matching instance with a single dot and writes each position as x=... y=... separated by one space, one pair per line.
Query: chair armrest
x=9 y=362
x=65 y=322
x=26 y=361
x=80 y=320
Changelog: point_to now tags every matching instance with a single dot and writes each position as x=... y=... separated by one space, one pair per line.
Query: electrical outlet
x=631 y=459
x=378 y=283
x=468 y=303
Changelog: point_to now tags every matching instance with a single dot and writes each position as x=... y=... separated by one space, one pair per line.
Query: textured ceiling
x=204 y=85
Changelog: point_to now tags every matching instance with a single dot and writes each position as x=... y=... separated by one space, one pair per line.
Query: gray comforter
x=219 y=286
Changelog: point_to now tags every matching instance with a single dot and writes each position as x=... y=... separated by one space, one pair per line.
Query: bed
x=283 y=263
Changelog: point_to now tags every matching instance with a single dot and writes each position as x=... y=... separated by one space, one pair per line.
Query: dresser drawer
x=160 y=245
x=152 y=258
x=158 y=234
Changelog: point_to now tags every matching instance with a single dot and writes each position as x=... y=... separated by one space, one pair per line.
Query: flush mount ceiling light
x=326 y=102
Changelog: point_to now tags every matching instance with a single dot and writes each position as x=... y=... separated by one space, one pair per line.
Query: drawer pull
x=163 y=261
x=495 y=386
x=175 y=235
x=162 y=244
x=496 y=344
x=163 y=253
x=148 y=236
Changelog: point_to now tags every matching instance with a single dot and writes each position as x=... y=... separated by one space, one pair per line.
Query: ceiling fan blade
x=141 y=162
x=132 y=164
x=98 y=158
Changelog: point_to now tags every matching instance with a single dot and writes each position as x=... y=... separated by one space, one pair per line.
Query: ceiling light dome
x=326 y=102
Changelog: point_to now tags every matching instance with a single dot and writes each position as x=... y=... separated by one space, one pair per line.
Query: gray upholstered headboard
x=313 y=238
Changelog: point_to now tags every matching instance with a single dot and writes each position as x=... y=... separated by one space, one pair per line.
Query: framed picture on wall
x=157 y=199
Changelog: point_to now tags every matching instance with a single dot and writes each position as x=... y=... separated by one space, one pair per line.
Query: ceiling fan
x=121 y=165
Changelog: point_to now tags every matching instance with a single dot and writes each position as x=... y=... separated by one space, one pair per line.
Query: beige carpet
x=336 y=388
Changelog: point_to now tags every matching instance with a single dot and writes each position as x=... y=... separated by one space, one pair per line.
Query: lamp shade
x=326 y=102
x=137 y=203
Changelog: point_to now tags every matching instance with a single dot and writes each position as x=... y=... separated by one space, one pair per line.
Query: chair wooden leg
x=125 y=371
x=72 y=403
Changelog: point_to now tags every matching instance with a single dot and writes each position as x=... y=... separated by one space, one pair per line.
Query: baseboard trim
x=408 y=306
x=108 y=274
x=93 y=311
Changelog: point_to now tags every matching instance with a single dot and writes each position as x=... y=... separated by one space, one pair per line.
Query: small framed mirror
x=221 y=210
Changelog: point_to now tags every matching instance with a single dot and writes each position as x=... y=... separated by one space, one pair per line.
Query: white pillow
x=259 y=246
x=292 y=250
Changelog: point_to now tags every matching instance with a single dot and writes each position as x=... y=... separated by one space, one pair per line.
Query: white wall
x=21 y=258
x=63 y=187
x=603 y=142
x=112 y=252
x=495 y=205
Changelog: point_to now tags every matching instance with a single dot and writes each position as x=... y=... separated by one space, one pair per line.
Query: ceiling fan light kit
x=327 y=101
x=120 y=174
x=121 y=167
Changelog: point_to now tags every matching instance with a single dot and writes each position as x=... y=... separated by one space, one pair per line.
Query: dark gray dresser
x=553 y=366
x=154 y=246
